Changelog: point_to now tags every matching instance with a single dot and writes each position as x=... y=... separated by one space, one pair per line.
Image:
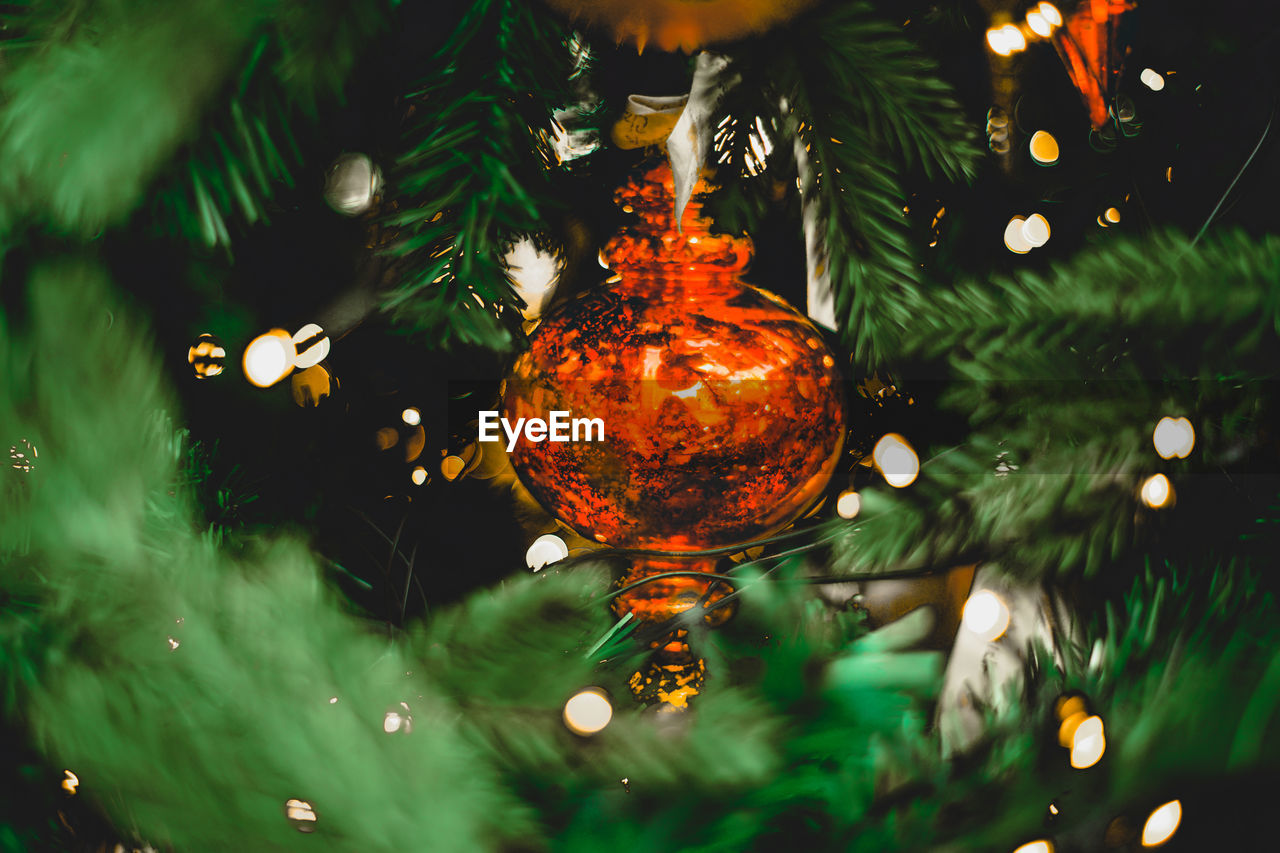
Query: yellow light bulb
x=986 y=616
x=1112 y=215
x=1162 y=824
x=1044 y=148
x=1088 y=743
x=896 y=460
x=588 y=711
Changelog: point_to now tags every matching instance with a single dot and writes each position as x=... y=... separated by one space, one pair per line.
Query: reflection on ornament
x=269 y=358
x=986 y=616
x=312 y=385
x=397 y=719
x=206 y=356
x=534 y=275
x=1157 y=491
x=311 y=345
x=1174 y=437
x=1041 y=846
x=669 y=684
x=1162 y=824
x=588 y=711
x=352 y=184
x=896 y=460
x=1043 y=148
x=546 y=549
x=300 y=814
x=22 y=456
x=848 y=504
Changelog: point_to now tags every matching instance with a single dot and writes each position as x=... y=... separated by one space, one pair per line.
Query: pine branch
x=474 y=173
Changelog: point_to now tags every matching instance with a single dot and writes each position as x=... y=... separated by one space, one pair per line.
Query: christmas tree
x=935 y=496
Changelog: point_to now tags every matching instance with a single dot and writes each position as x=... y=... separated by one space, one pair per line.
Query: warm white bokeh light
x=896 y=460
x=545 y=550
x=1112 y=215
x=1035 y=230
x=1174 y=437
x=1051 y=14
x=300 y=814
x=397 y=719
x=1013 y=38
x=418 y=475
x=1157 y=491
x=1039 y=24
x=986 y=616
x=848 y=504
x=269 y=358
x=318 y=351
x=1088 y=743
x=1044 y=148
x=411 y=416
x=1041 y=846
x=588 y=712
x=1013 y=239
x=1162 y=824
x=1151 y=79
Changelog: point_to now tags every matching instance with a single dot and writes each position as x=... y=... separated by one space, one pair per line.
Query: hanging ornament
x=352 y=184
x=687 y=25
x=722 y=407
x=1089 y=45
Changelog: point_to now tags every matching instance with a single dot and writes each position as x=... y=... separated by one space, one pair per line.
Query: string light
x=1044 y=148
x=545 y=550
x=1088 y=743
x=1162 y=824
x=1041 y=846
x=1112 y=215
x=848 y=504
x=1174 y=437
x=588 y=711
x=419 y=475
x=1157 y=491
x=1014 y=240
x=411 y=416
x=70 y=782
x=1051 y=14
x=896 y=460
x=1151 y=79
x=1006 y=40
x=397 y=719
x=269 y=358
x=1035 y=230
x=1039 y=24
x=311 y=345
x=986 y=616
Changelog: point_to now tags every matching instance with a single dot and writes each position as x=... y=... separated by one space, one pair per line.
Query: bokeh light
x=545 y=550
x=1014 y=240
x=1041 y=846
x=1044 y=148
x=206 y=356
x=419 y=475
x=311 y=344
x=269 y=358
x=1035 y=230
x=411 y=416
x=301 y=814
x=588 y=711
x=1157 y=491
x=986 y=616
x=1174 y=437
x=1088 y=743
x=397 y=719
x=848 y=504
x=1151 y=79
x=1050 y=13
x=896 y=460
x=1162 y=824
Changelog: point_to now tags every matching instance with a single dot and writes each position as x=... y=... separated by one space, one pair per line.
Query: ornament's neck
x=652 y=244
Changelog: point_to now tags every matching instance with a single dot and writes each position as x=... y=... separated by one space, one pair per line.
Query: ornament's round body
x=722 y=408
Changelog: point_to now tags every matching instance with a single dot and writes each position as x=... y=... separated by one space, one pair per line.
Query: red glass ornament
x=722 y=406
x=1089 y=46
